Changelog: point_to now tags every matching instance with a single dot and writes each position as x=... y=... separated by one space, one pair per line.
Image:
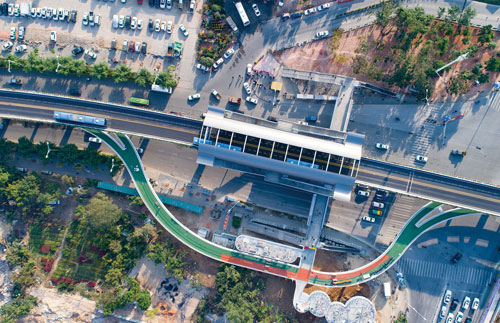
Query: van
x=113 y=44
x=98 y=20
x=115 y=21
x=378 y=205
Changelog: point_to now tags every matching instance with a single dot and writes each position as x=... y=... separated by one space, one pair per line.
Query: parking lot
x=99 y=37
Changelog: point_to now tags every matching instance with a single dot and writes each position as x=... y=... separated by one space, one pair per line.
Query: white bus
x=243 y=14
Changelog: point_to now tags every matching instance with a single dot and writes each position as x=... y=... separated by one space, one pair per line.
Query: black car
x=453 y=305
x=456 y=258
x=5 y=8
x=151 y=3
x=150 y=25
x=1 y=10
x=157 y=3
x=73 y=16
x=468 y=320
x=75 y=92
x=273 y=119
x=77 y=50
x=128 y=19
x=144 y=47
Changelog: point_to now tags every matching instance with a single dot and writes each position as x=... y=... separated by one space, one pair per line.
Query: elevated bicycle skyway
x=403 y=240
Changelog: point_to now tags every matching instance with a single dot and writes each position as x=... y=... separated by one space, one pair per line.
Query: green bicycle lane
x=417 y=225
x=405 y=238
x=134 y=165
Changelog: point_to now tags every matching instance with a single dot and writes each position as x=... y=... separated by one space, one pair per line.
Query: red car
x=139 y=1
x=131 y=46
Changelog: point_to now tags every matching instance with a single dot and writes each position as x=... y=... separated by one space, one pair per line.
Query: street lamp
x=57 y=68
x=426 y=100
x=112 y=165
x=48 y=150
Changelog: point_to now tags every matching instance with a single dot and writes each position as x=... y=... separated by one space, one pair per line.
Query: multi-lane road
x=152 y=124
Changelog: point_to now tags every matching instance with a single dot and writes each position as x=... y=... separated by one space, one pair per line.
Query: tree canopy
x=101 y=213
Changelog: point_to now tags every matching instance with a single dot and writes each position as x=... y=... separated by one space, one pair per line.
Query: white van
x=97 y=20
x=378 y=205
x=115 y=21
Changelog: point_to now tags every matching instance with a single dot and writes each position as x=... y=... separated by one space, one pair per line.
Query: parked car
x=73 y=16
x=95 y=140
x=228 y=53
x=150 y=25
x=309 y=11
x=121 y=22
x=131 y=46
x=203 y=68
x=378 y=205
x=139 y=24
x=447 y=297
x=466 y=303
x=183 y=30
x=246 y=86
x=285 y=16
x=137 y=46
x=15 y=81
x=20 y=34
x=195 y=96
x=376 y=212
x=272 y=119
x=128 y=21
x=157 y=25
x=53 y=36
x=163 y=4
x=133 y=24
x=256 y=9
x=323 y=6
x=363 y=193
x=163 y=26
x=13 y=33
x=442 y=313
x=20 y=48
x=77 y=50
x=421 y=158
x=169 y=4
x=125 y=45
x=459 y=317
x=249 y=70
x=382 y=146
x=252 y=100
x=450 y=318
x=217 y=63
x=475 y=304
x=281 y=3
x=169 y=27
x=85 y=20
x=321 y=34
x=90 y=53
x=454 y=304
x=144 y=47
x=367 y=218
x=8 y=45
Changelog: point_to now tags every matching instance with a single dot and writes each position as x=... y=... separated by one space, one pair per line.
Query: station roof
x=342 y=144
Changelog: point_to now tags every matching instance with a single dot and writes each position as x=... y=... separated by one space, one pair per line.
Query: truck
x=216 y=94
x=170 y=49
x=387 y=290
x=15 y=81
x=231 y=24
x=458 y=152
x=158 y=88
x=234 y=100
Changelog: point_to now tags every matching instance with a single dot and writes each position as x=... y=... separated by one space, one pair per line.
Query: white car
x=249 y=70
x=321 y=34
x=133 y=24
x=324 y=6
x=157 y=25
x=421 y=158
x=121 y=23
x=169 y=27
x=163 y=3
x=256 y=9
x=450 y=318
x=195 y=96
x=8 y=45
x=169 y=4
x=246 y=86
x=443 y=311
x=447 y=297
x=13 y=33
x=139 y=24
x=137 y=46
x=21 y=48
x=39 y=12
x=163 y=26
x=217 y=63
x=229 y=53
x=53 y=36
x=459 y=317
x=33 y=12
x=281 y=3
x=60 y=13
x=85 y=19
x=183 y=29
x=475 y=304
x=466 y=302
x=203 y=68
x=367 y=218
x=43 y=13
x=252 y=100
x=380 y=145
x=309 y=11
x=90 y=53
x=95 y=139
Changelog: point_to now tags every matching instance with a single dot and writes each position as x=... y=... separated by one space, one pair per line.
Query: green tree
x=100 y=70
x=25 y=147
x=441 y=12
x=24 y=191
x=453 y=13
x=43 y=200
x=68 y=154
x=115 y=246
x=401 y=319
x=144 y=300
x=486 y=34
x=113 y=277
x=68 y=180
x=6 y=147
x=17 y=254
x=101 y=213
x=442 y=44
x=206 y=61
x=467 y=15
x=10 y=312
x=144 y=77
x=166 y=79
x=122 y=73
x=146 y=233
x=383 y=15
x=493 y=64
x=135 y=200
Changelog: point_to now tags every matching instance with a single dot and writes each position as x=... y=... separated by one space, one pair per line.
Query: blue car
x=296 y=15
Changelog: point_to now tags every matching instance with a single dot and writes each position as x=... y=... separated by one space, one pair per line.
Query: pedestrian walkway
x=425 y=135
x=452 y=273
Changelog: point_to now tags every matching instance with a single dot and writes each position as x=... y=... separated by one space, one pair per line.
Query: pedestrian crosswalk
x=424 y=135
x=397 y=217
x=443 y=271
x=495 y=102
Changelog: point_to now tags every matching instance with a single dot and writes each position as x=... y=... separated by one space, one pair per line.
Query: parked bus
x=243 y=14
x=138 y=101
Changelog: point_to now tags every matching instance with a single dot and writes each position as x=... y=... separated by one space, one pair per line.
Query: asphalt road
x=433 y=186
